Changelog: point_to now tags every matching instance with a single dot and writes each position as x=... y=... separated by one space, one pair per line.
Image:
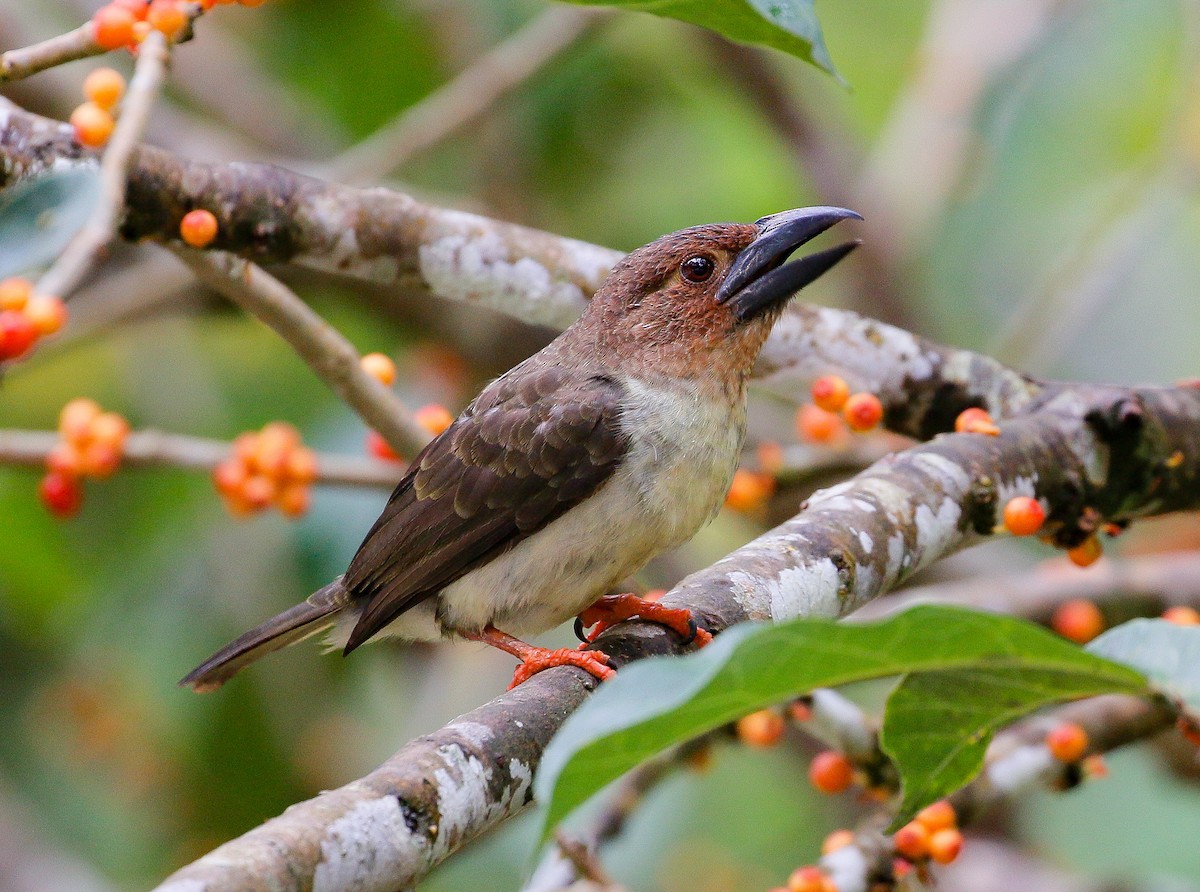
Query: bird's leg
x=535 y=659
x=611 y=609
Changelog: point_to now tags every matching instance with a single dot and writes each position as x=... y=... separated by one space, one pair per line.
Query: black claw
x=579 y=632
x=693 y=630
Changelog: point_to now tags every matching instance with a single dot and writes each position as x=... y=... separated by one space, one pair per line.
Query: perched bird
x=572 y=470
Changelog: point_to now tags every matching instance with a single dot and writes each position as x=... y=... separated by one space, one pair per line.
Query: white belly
x=684 y=451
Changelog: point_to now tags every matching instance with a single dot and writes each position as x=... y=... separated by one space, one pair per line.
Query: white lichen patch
x=937 y=530
x=848 y=869
x=950 y=476
x=808 y=590
x=370 y=849
x=1020 y=768
x=463 y=797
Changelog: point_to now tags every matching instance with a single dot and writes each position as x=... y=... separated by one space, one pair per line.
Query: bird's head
x=701 y=301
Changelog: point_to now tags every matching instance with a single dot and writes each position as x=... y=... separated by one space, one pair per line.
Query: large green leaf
x=654 y=704
x=40 y=216
x=1166 y=653
x=788 y=25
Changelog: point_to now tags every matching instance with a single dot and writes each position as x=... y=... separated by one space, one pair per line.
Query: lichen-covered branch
x=1091 y=452
x=157 y=449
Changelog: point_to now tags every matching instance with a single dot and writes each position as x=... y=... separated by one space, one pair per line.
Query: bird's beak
x=759 y=279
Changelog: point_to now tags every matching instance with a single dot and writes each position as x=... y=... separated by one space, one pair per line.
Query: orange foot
x=535 y=659
x=611 y=609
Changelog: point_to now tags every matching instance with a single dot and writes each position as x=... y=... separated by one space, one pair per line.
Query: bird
x=614 y=443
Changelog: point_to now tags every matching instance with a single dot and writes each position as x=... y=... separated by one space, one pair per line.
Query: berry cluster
x=271 y=467
x=933 y=835
x=93 y=121
x=126 y=23
x=26 y=317
x=434 y=417
x=92 y=444
x=834 y=409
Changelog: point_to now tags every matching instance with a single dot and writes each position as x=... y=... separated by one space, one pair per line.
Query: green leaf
x=657 y=703
x=937 y=725
x=788 y=25
x=1166 y=653
x=40 y=216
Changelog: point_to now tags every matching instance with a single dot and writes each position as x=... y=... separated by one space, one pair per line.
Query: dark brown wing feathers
x=535 y=443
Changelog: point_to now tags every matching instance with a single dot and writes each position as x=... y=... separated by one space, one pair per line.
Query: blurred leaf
x=40 y=216
x=660 y=702
x=788 y=25
x=1166 y=653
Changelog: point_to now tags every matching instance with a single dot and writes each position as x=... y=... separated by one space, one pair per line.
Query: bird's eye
x=697 y=269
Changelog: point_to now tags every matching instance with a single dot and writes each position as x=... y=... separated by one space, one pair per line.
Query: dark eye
x=697 y=269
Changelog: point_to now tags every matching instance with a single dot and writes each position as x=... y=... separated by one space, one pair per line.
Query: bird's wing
x=532 y=445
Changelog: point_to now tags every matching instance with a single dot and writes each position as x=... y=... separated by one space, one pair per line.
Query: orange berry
x=761 y=729
x=294 y=499
x=259 y=491
x=945 y=845
x=800 y=711
x=245 y=447
x=168 y=17
x=379 y=367
x=47 y=313
x=64 y=459
x=238 y=505
x=17 y=334
x=770 y=457
x=976 y=421
x=104 y=86
x=1095 y=767
x=111 y=429
x=937 y=816
x=112 y=27
x=1068 y=742
x=75 y=419
x=912 y=840
x=749 y=490
x=838 y=839
x=1182 y=616
x=1086 y=553
x=14 y=293
x=137 y=8
x=1190 y=729
x=302 y=465
x=829 y=392
x=863 y=411
x=1079 y=620
x=230 y=476
x=434 y=418
x=198 y=228
x=100 y=460
x=1023 y=516
x=378 y=447
x=831 y=772
x=140 y=31
x=61 y=494
x=816 y=425
x=808 y=879
x=93 y=125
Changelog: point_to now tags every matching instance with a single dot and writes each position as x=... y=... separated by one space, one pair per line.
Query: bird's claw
x=612 y=609
x=592 y=661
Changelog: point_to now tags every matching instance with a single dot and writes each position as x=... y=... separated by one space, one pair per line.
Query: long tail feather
x=309 y=617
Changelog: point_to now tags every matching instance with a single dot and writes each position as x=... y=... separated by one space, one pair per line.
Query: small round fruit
x=378 y=447
x=230 y=476
x=14 y=293
x=945 y=845
x=434 y=418
x=937 y=816
x=1067 y=742
x=831 y=772
x=105 y=87
x=770 y=457
x=302 y=465
x=976 y=421
x=1182 y=616
x=830 y=392
x=198 y=228
x=259 y=491
x=61 y=494
x=112 y=27
x=761 y=729
x=379 y=367
x=1078 y=620
x=167 y=17
x=838 y=839
x=75 y=420
x=863 y=412
x=100 y=460
x=1086 y=552
x=64 y=459
x=111 y=429
x=749 y=490
x=47 y=313
x=1023 y=516
x=294 y=499
x=810 y=879
x=815 y=425
x=93 y=125
x=912 y=840
x=17 y=334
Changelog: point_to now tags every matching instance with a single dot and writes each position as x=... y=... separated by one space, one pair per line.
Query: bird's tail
x=311 y=616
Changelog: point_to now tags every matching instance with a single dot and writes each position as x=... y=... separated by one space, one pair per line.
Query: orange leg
x=535 y=659
x=611 y=609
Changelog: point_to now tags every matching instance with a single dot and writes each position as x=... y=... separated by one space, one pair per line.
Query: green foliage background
x=1080 y=190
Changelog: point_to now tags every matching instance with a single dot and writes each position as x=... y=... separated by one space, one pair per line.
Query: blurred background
x=1028 y=171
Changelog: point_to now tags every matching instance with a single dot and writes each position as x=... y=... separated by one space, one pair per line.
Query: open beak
x=759 y=279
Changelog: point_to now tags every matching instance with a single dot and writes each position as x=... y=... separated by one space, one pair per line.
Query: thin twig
x=318 y=343
x=158 y=449
x=72 y=265
x=58 y=50
x=465 y=97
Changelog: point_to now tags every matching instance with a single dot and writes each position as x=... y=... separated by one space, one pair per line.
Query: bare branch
x=58 y=50
x=468 y=95
x=318 y=343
